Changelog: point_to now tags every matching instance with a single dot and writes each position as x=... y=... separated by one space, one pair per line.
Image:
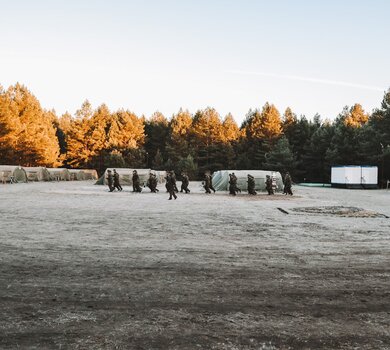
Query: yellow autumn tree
x=28 y=135
x=265 y=124
x=356 y=117
x=231 y=131
x=126 y=131
x=181 y=124
x=178 y=143
x=207 y=127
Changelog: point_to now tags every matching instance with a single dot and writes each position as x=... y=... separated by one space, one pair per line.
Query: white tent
x=126 y=176
x=77 y=174
x=90 y=174
x=38 y=173
x=221 y=179
x=59 y=174
x=12 y=172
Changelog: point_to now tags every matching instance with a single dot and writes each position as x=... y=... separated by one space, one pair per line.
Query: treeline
x=99 y=138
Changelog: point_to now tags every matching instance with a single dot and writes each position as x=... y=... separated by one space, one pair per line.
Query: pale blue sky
x=314 y=56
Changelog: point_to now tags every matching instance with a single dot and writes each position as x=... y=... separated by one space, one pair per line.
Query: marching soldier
x=117 y=185
x=268 y=185
x=174 y=181
x=170 y=185
x=232 y=185
x=251 y=185
x=287 y=184
x=185 y=181
x=110 y=180
x=236 y=188
x=233 y=188
x=136 y=182
x=208 y=183
x=152 y=183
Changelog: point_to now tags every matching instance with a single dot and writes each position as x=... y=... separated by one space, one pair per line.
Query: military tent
x=12 y=173
x=59 y=174
x=77 y=174
x=37 y=173
x=221 y=179
x=90 y=174
x=126 y=176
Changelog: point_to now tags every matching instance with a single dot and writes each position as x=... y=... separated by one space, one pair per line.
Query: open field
x=82 y=268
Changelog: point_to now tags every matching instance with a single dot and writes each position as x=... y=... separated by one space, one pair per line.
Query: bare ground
x=81 y=268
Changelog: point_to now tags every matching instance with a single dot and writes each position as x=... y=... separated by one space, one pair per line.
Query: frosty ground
x=82 y=268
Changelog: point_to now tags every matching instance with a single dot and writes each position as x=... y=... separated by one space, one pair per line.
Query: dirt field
x=81 y=268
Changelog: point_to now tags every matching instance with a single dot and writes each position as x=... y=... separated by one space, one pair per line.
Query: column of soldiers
x=113 y=183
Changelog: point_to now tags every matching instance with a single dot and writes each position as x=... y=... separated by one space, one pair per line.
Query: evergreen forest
x=204 y=141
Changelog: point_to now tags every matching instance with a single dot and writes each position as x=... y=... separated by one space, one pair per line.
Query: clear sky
x=314 y=56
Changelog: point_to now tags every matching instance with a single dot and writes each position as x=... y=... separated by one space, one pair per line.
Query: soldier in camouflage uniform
x=251 y=185
x=268 y=185
x=185 y=181
x=232 y=185
x=170 y=185
x=110 y=180
x=236 y=188
x=136 y=182
x=117 y=185
x=174 y=181
x=152 y=183
x=287 y=184
x=208 y=183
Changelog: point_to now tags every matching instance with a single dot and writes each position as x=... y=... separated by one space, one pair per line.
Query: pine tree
x=158 y=161
x=280 y=158
x=78 y=154
x=262 y=130
x=187 y=165
x=298 y=133
x=207 y=139
x=79 y=148
x=265 y=124
x=345 y=144
x=156 y=135
x=315 y=155
x=376 y=136
x=179 y=140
